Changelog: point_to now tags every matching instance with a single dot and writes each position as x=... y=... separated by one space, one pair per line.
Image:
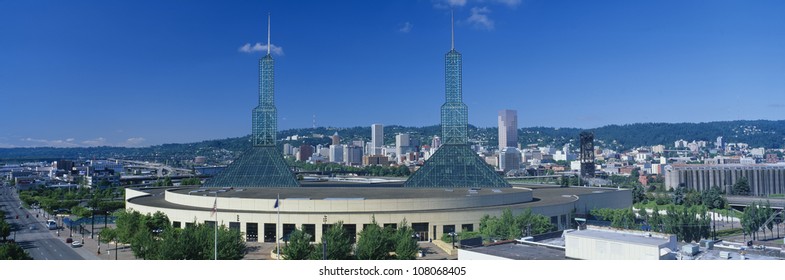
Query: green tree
x=157 y=222
x=509 y=227
x=80 y=212
x=299 y=246
x=12 y=251
x=656 y=219
x=741 y=187
x=712 y=198
x=339 y=245
x=128 y=224
x=174 y=245
x=5 y=229
x=144 y=245
x=749 y=220
x=375 y=242
x=405 y=245
x=191 y=182
x=678 y=195
x=692 y=198
x=638 y=194
x=231 y=244
x=108 y=235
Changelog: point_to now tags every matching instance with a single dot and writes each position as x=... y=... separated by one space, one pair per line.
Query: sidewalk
x=89 y=249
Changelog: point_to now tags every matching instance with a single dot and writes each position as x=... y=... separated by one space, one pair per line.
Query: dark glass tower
x=455 y=165
x=262 y=165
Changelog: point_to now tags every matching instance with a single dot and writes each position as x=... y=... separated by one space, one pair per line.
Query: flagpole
x=215 y=241
x=277 y=225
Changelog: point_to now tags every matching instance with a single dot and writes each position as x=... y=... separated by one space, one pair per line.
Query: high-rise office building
x=508 y=129
x=402 y=146
x=436 y=142
x=353 y=155
x=262 y=165
x=377 y=139
x=306 y=151
x=336 y=139
x=455 y=165
x=509 y=159
x=336 y=153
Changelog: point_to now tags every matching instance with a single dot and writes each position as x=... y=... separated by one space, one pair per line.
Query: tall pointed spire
x=268 y=33
x=262 y=165
x=455 y=164
x=452 y=29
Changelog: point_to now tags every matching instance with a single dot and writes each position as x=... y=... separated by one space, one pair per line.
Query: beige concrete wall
x=367 y=205
x=313 y=212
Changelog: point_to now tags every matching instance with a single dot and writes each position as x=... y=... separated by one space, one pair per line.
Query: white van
x=51 y=224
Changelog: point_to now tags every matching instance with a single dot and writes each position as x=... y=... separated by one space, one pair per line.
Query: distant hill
x=757 y=133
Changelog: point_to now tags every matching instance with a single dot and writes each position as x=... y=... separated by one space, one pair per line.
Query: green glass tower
x=262 y=165
x=455 y=165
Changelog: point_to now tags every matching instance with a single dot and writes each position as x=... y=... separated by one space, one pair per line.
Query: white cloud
x=510 y=3
x=479 y=18
x=406 y=27
x=448 y=4
x=49 y=143
x=133 y=142
x=100 y=141
x=259 y=47
x=457 y=3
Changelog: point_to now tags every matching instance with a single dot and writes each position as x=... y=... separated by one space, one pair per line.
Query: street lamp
x=452 y=235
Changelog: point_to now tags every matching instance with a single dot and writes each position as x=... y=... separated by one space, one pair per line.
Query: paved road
x=38 y=241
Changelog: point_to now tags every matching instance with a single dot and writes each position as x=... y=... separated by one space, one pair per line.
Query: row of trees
x=10 y=250
x=510 y=226
x=153 y=237
x=755 y=218
x=711 y=198
x=689 y=224
x=5 y=227
x=619 y=218
x=101 y=200
x=375 y=243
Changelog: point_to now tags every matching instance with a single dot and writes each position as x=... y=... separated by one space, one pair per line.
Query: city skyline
x=113 y=80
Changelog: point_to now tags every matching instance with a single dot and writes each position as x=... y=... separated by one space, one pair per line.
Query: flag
x=215 y=207
x=276 y=203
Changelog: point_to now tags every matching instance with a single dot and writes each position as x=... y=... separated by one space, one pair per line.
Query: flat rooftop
x=346 y=190
x=517 y=251
x=542 y=195
x=620 y=237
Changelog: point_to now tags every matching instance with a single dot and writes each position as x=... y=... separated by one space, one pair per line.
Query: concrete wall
x=360 y=212
x=343 y=205
x=588 y=248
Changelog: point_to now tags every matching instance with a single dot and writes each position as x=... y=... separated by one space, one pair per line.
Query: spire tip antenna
x=268 y=33
x=452 y=29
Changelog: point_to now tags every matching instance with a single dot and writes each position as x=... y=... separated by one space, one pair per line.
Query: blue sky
x=138 y=73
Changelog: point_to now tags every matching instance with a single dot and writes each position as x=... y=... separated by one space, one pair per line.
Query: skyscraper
x=508 y=129
x=377 y=139
x=455 y=165
x=402 y=145
x=262 y=165
x=336 y=139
